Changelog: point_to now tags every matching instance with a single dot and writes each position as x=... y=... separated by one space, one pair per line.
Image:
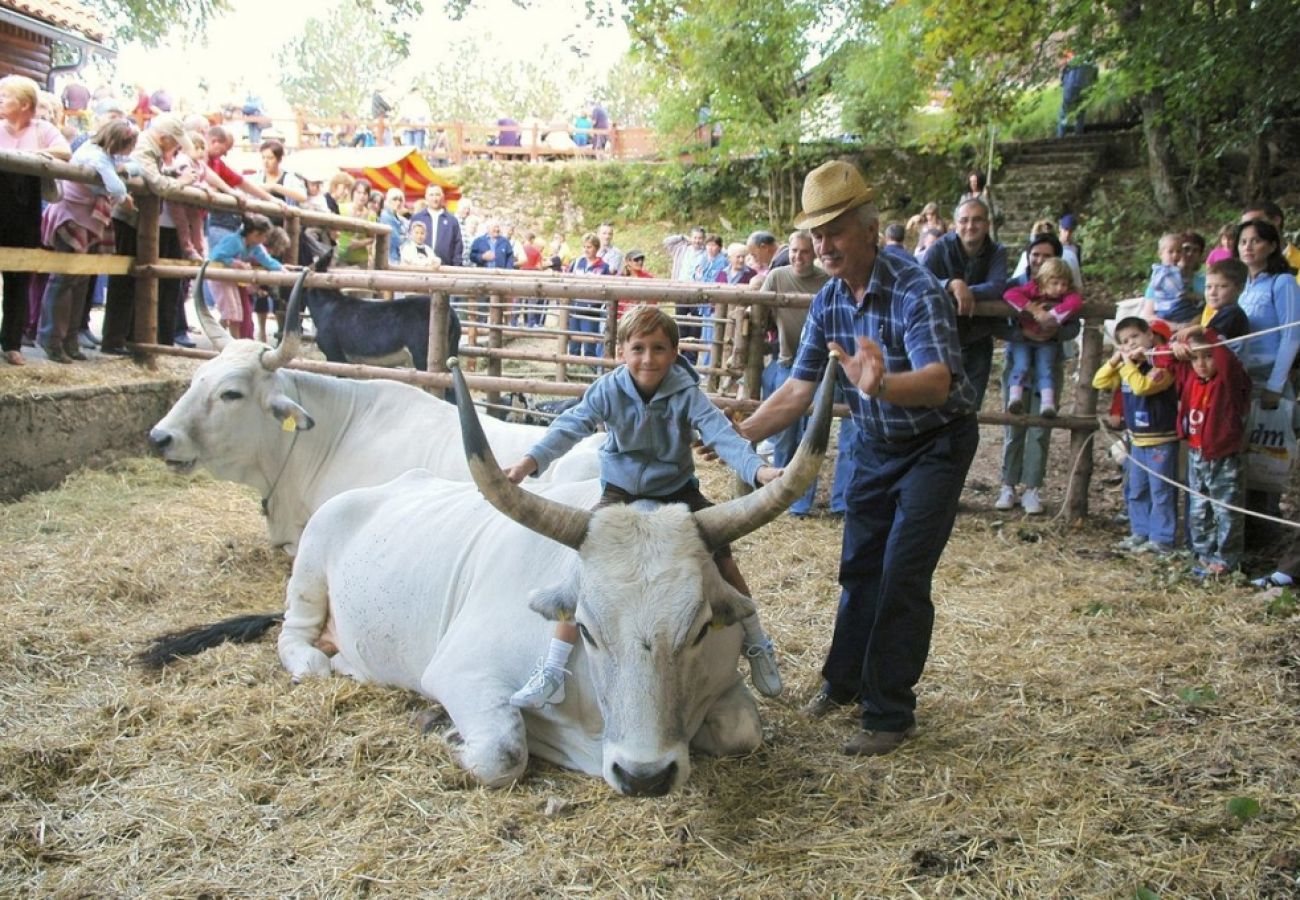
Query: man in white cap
x=915 y=411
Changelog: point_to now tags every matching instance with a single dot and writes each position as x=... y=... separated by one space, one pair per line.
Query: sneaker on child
x=543 y=687
x=1031 y=503
x=1006 y=498
x=763 y=671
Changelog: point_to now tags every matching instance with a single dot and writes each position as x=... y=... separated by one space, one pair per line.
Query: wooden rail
x=490 y=290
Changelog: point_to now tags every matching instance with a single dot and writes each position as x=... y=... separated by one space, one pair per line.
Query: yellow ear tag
x=717 y=625
x=289 y=423
x=563 y=616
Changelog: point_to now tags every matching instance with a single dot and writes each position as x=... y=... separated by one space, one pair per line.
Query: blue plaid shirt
x=908 y=314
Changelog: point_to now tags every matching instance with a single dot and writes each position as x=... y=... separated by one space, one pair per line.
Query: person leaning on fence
x=651 y=406
x=1213 y=399
x=1025 y=448
x=20 y=200
x=155 y=149
x=81 y=222
x=1151 y=419
x=915 y=410
x=587 y=317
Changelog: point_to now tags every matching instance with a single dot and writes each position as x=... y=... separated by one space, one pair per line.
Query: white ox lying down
x=301 y=438
x=446 y=612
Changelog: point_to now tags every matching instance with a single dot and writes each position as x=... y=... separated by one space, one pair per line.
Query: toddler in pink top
x=1045 y=303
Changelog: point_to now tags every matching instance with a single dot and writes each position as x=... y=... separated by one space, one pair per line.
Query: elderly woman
x=155 y=151
x=81 y=223
x=20 y=215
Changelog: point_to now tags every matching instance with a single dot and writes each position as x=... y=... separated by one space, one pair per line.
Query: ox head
x=649 y=602
x=236 y=402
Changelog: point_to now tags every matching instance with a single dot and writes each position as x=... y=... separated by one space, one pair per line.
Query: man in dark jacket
x=441 y=229
x=971 y=267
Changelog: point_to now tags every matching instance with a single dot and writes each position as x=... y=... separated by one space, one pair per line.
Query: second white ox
x=427 y=587
x=301 y=438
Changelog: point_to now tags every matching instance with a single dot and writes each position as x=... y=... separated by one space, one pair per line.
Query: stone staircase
x=1047 y=178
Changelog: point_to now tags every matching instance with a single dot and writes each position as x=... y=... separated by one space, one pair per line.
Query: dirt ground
x=1091 y=725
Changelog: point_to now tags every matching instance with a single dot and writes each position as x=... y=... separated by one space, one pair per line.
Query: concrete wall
x=50 y=434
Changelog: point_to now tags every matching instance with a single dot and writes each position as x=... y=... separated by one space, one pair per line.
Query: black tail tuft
x=193 y=641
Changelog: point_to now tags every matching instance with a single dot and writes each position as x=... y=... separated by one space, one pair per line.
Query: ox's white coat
x=300 y=438
x=443 y=610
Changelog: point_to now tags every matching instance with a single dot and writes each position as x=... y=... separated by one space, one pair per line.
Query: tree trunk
x=1257 y=169
x=1160 y=154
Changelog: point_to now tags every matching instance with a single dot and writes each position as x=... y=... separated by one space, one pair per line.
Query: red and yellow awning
x=383 y=167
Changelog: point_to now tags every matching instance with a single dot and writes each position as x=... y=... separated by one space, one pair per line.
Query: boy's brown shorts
x=690 y=495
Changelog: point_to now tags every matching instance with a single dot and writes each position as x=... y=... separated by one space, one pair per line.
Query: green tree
x=331 y=68
x=876 y=73
x=147 y=21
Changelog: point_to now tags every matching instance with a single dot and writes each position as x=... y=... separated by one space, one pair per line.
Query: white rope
x=1187 y=490
x=1224 y=342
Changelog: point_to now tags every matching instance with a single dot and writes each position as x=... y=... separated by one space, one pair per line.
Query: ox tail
x=193 y=641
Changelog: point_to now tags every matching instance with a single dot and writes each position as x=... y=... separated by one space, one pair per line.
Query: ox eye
x=232 y=395
x=703 y=634
x=586 y=635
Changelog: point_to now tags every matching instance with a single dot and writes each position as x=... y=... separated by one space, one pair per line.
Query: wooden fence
x=448 y=143
x=488 y=298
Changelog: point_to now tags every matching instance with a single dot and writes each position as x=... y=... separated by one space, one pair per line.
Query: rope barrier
x=1117 y=439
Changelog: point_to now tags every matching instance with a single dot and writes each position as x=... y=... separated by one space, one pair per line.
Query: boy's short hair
x=1232 y=269
x=647 y=320
x=1137 y=322
x=1197 y=340
x=1055 y=267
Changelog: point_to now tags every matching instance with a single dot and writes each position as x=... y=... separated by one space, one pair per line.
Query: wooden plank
x=145 y=329
x=17 y=259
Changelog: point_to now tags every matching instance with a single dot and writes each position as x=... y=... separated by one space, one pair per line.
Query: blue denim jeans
x=1038 y=357
x=977 y=360
x=587 y=323
x=902 y=502
x=1152 y=503
x=785 y=443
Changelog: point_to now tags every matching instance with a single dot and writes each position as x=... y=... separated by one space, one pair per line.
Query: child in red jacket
x=1213 y=399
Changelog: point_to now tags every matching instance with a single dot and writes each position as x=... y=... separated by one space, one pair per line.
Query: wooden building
x=29 y=29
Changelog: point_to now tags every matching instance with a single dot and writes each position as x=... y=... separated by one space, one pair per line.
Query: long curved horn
x=211 y=327
x=291 y=334
x=558 y=521
x=736 y=518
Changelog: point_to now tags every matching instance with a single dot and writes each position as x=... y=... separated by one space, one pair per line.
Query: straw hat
x=829 y=190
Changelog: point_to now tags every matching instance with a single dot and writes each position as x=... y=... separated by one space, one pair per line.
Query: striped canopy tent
x=383 y=167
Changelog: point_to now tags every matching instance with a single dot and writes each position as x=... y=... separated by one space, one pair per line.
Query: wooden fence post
x=293 y=228
x=439 y=322
x=609 y=347
x=495 y=342
x=145 y=327
x=752 y=389
x=716 y=360
x=562 y=342
x=1085 y=404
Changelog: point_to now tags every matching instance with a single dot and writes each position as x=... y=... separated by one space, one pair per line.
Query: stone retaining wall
x=49 y=434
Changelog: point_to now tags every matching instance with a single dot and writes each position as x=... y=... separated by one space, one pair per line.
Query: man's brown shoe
x=821 y=705
x=876 y=743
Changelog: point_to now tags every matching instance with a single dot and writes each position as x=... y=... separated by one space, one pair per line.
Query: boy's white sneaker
x=544 y=686
x=1006 y=498
x=763 y=671
x=1030 y=502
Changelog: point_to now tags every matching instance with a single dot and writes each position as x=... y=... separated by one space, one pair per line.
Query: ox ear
x=729 y=605
x=557 y=602
x=292 y=416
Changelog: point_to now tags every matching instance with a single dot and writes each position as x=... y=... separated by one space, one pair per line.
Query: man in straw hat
x=889 y=320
